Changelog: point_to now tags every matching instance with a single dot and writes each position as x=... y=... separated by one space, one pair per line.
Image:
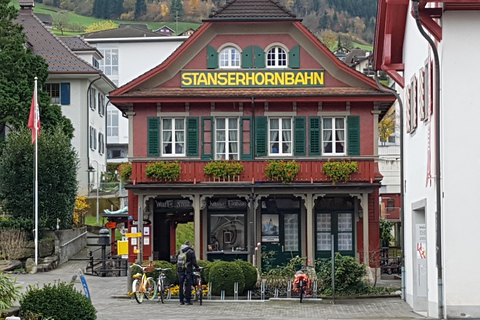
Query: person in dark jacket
x=185 y=274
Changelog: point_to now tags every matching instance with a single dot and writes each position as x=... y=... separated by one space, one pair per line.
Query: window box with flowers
x=224 y=169
x=125 y=171
x=282 y=170
x=163 y=170
x=339 y=170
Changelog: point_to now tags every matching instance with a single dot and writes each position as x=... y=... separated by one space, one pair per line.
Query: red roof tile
x=252 y=10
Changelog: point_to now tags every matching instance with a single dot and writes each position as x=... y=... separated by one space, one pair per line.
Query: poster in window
x=146 y=231
x=270 y=228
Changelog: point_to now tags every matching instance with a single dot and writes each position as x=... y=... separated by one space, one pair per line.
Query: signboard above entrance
x=244 y=78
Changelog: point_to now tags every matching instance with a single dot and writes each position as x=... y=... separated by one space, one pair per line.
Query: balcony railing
x=310 y=172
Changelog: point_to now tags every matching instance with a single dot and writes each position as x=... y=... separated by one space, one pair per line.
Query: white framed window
x=93 y=99
x=229 y=58
x=109 y=63
x=280 y=136
x=333 y=135
x=173 y=137
x=54 y=90
x=112 y=124
x=226 y=136
x=276 y=57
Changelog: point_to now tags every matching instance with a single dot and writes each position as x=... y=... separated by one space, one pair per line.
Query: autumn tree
x=387 y=125
x=101 y=25
x=329 y=39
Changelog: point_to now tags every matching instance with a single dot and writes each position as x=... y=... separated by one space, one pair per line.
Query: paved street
x=108 y=297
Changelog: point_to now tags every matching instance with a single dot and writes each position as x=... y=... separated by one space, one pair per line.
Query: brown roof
x=251 y=92
x=252 y=10
x=76 y=43
x=44 y=43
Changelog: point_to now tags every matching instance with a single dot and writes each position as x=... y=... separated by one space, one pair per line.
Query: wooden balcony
x=310 y=172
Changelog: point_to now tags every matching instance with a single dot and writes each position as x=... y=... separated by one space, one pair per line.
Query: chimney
x=26 y=4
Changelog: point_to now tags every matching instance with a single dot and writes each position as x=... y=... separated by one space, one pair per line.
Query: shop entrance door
x=280 y=232
x=161 y=237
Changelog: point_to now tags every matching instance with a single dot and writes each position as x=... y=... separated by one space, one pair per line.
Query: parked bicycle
x=197 y=284
x=161 y=283
x=143 y=286
x=302 y=282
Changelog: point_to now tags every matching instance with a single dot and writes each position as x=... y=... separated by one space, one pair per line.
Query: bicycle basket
x=149 y=267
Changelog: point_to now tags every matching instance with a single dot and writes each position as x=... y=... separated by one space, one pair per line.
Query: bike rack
x=263 y=288
x=289 y=289
x=209 y=294
x=235 y=291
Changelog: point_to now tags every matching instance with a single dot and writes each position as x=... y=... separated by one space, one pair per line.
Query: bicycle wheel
x=200 y=291
x=150 y=289
x=161 y=290
x=136 y=290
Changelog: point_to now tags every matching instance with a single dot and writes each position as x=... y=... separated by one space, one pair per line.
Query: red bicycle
x=302 y=282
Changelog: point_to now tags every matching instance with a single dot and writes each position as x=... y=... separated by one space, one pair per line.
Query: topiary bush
x=60 y=301
x=349 y=276
x=223 y=275
x=249 y=273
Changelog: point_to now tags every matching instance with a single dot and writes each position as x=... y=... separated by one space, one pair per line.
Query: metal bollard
x=263 y=288
x=169 y=294
x=222 y=295
x=315 y=288
x=209 y=293
x=276 y=293
x=235 y=291
x=249 y=295
x=289 y=289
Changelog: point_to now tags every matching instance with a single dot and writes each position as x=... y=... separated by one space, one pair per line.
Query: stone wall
x=68 y=242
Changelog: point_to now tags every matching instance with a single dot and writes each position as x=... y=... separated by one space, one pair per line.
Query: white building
x=128 y=53
x=75 y=83
x=440 y=111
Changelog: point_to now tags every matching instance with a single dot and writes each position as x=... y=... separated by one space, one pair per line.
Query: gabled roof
x=44 y=43
x=45 y=18
x=252 y=10
x=125 y=32
x=142 y=26
x=76 y=43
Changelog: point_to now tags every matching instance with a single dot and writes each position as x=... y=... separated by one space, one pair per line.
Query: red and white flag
x=34 y=118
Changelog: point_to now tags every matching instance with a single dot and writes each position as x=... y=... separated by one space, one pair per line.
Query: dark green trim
x=192 y=136
x=294 y=57
x=261 y=136
x=353 y=124
x=212 y=58
x=334 y=230
x=153 y=137
x=315 y=136
x=247 y=57
x=259 y=57
x=300 y=127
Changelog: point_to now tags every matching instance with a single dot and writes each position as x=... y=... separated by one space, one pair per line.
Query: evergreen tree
x=177 y=8
x=18 y=69
x=140 y=9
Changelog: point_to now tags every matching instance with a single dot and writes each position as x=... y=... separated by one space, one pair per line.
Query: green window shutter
x=314 y=131
x=294 y=58
x=353 y=124
x=192 y=136
x=247 y=57
x=246 y=146
x=65 y=93
x=299 y=127
x=261 y=136
x=259 y=57
x=207 y=138
x=153 y=137
x=212 y=58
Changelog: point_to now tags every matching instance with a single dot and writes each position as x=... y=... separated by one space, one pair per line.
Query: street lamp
x=98 y=187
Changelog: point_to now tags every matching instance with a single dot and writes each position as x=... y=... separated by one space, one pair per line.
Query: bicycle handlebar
x=161 y=269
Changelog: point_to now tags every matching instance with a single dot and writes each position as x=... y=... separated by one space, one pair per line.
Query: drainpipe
x=437 y=157
x=402 y=190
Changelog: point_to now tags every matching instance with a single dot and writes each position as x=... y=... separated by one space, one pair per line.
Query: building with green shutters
x=249 y=109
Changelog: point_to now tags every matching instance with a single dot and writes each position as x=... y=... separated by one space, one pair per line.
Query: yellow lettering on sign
x=318 y=78
x=299 y=79
x=202 y=79
x=289 y=78
x=222 y=78
x=240 y=78
x=279 y=79
x=212 y=79
x=186 y=79
x=133 y=235
x=231 y=79
x=269 y=79
x=259 y=79
x=308 y=78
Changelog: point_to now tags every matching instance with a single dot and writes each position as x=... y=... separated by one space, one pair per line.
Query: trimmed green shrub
x=9 y=291
x=349 y=276
x=172 y=275
x=223 y=276
x=205 y=272
x=249 y=273
x=60 y=301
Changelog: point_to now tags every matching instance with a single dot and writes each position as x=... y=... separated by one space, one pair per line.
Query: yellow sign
x=260 y=78
x=122 y=247
x=133 y=235
x=136 y=251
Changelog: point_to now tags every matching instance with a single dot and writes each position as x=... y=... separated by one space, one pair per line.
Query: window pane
x=291 y=232
x=345 y=242
x=167 y=124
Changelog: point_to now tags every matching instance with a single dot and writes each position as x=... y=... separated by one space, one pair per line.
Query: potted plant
x=282 y=170
x=125 y=171
x=224 y=169
x=163 y=170
x=339 y=170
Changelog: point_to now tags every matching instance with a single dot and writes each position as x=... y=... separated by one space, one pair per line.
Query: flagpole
x=36 y=173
